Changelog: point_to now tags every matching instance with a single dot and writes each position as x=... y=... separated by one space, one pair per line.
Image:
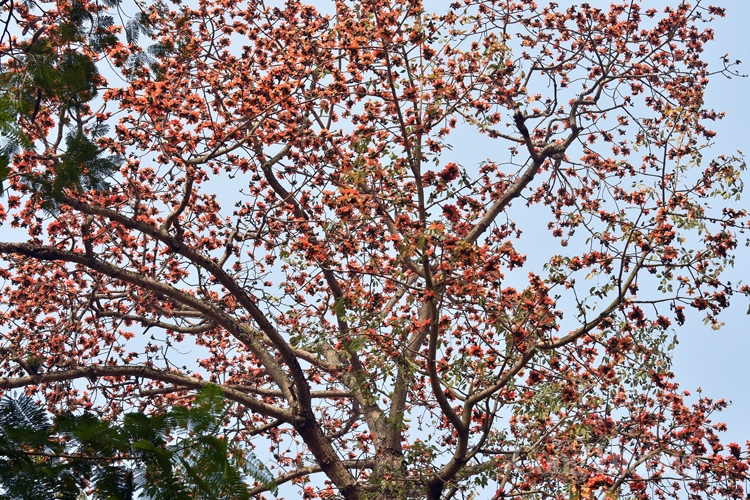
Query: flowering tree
x=277 y=210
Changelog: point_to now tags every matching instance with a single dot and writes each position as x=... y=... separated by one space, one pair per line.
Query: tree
x=56 y=64
x=179 y=454
x=289 y=211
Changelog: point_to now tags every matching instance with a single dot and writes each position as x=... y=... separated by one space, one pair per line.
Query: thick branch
x=537 y=160
x=203 y=262
x=311 y=469
x=554 y=344
x=229 y=323
x=147 y=322
x=183 y=381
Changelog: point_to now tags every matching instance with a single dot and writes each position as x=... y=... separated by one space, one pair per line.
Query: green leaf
x=198 y=463
x=339 y=307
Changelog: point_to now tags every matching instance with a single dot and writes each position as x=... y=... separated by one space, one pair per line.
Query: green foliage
x=180 y=454
x=49 y=71
x=82 y=168
x=29 y=468
x=12 y=137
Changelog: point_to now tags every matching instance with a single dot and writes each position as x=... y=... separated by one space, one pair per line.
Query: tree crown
x=279 y=208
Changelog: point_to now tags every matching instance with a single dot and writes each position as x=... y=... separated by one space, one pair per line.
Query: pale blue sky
x=718 y=361
x=712 y=360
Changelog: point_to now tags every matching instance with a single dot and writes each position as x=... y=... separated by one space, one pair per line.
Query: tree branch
x=182 y=381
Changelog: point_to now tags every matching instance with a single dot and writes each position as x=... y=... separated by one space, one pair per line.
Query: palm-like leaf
x=180 y=454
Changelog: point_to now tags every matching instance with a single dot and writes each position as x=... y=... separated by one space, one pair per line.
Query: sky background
x=719 y=361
